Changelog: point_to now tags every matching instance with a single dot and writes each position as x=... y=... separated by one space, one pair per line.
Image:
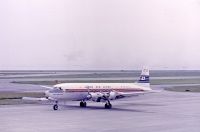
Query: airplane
x=97 y=92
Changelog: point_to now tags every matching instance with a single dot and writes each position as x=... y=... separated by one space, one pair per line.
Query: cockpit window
x=56 y=89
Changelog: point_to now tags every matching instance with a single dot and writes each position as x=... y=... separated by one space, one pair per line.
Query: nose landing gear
x=55 y=107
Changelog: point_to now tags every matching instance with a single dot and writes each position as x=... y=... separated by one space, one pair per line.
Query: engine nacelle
x=102 y=97
x=112 y=95
x=97 y=97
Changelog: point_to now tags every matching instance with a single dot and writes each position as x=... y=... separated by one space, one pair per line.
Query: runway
x=158 y=112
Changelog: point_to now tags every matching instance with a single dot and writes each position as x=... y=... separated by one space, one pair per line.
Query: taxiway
x=158 y=112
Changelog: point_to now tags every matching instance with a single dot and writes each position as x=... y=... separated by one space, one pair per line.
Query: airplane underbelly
x=71 y=96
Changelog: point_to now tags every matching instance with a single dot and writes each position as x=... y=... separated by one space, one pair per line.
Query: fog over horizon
x=99 y=34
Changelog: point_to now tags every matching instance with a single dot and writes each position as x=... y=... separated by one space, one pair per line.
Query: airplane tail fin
x=144 y=79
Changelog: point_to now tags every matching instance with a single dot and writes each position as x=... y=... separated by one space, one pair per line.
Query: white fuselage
x=97 y=92
x=79 y=91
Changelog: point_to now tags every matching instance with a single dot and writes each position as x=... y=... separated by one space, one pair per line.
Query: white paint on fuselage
x=79 y=91
x=72 y=96
x=100 y=86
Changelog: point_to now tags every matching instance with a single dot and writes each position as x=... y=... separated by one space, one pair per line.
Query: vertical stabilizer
x=144 y=79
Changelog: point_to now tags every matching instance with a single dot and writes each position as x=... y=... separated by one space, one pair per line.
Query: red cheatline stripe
x=103 y=90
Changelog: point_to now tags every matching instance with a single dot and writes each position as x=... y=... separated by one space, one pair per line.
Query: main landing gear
x=83 y=104
x=108 y=105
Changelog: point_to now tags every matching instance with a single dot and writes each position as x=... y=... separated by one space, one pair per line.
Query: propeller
x=89 y=96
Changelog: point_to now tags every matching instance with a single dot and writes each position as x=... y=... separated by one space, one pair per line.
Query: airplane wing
x=47 y=87
x=113 y=95
x=34 y=99
x=37 y=99
x=130 y=94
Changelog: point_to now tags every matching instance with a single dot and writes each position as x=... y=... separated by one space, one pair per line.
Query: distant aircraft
x=97 y=92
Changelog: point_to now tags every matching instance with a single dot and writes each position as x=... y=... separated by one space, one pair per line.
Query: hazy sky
x=99 y=34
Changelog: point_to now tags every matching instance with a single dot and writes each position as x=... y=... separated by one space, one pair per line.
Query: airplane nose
x=46 y=93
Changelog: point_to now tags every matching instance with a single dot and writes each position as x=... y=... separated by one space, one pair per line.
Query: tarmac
x=166 y=111
x=158 y=112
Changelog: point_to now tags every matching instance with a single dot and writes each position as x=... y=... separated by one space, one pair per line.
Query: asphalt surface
x=159 y=112
x=6 y=85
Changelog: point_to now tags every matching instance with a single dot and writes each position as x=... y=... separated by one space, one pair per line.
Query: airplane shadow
x=73 y=107
x=140 y=104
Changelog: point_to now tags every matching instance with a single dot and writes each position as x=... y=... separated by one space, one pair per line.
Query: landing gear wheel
x=55 y=107
x=83 y=104
x=108 y=106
